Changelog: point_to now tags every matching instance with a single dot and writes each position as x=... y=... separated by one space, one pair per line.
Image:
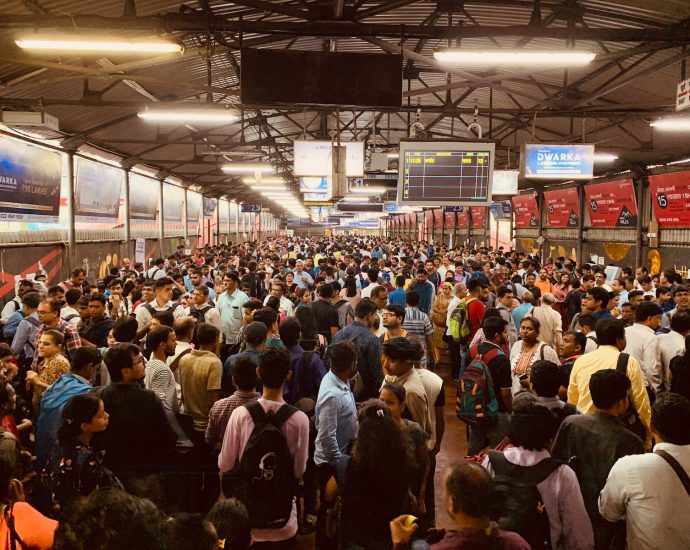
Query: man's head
x=543 y=274
x=530 y=279
x=648 y=314
x=671 y=419
x=379 y=296
x=184 y=329
x=24 y=286
x=290 y=332
x=163 y=289
x=30 y=301
x=85 y=362
x=628 y=313
x=231 y=520
x=231 y=281
x=57 y=292
x=527 y=297
x=244 y=374
x=277 y=289
x=125 y=363
x=200 y=295
x=269 y=317
x=162 y=340
x=248 y=309
x=611 y=332
x=587 y=281
x=343 y=356
x=548 y=299
x=365 y=311
x=400 y=354
x=609 y=391
x=680 y=322
x=596 y=299
x=49 y=312
x=599 y=278
x=274 y=367
x=325 y=292
x=545 y=378
x=532 y=426
x=208 y=336
x=682 y=297
x=97 y=305
x=255 y=334
x=496 y=330
x=393 y=316
x=573 y=344
x=195 y=277
x=78 y=276
x=635 y=297
x=505 y=296
x=469 y=491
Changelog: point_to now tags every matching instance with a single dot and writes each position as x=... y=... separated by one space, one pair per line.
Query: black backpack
x=264 y=479
x=517 y=504
x=153 y=311
x=631 y=417
x=199 y=314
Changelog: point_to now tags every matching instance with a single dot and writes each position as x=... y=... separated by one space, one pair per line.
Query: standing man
x=15 y=304
x=643 y=345
x=425 y=290
x=97 y=328
x=202 y=310
x=504 y=307
x=325 y=314
x=229 y=305
x=302 y=277
x=162 y=301
x=157 y=376
x=596 y=301
x=418 y=324
x=682 y=298
x=550 y=320
x=157 y=271
x=393 y=317
x=76 y=281
x=286 y=306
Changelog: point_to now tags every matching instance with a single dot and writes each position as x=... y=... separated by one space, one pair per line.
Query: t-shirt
x=499 y=367
x=200 y=372
x=475 y=310
x=36 y=530
x=326 y=317
x=478 y=540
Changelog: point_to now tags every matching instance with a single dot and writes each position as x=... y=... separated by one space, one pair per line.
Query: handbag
x=630 y=418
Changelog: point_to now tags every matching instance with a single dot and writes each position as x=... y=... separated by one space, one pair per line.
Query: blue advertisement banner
x=30 y=180
x=557 y=162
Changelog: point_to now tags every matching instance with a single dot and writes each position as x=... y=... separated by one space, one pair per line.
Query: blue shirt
x=307 y=282
x=368 y=356
x=13 y=322
x=426 y=295
x=397 y=297
x=305 y=379
x=520 y=312
x=336 y=420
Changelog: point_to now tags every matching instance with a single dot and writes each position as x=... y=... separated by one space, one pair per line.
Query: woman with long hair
x=78 y=470
x=438 y=319
x=311 y=340
x=350 y=292
x=526 y=351
x=375 y=482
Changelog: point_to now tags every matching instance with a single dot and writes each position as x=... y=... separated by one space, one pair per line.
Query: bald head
x=528 y=297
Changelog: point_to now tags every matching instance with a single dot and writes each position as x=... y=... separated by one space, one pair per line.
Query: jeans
x=481 y=438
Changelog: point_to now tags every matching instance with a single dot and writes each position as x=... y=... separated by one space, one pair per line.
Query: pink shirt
x=296 y=430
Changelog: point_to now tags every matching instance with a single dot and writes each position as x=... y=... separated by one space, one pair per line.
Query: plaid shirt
x=220 y=413
x=72 y=340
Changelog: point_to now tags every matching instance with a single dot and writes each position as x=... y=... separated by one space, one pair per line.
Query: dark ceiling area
x=641 y=47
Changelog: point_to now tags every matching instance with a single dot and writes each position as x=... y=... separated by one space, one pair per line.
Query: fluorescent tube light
x=672 y=124
x=268 y=180
x=350 y=198
x=248 y=168
x=188 y=114
x=493 y=58
x=605 y=157
x=371 y=190
x=97 y=45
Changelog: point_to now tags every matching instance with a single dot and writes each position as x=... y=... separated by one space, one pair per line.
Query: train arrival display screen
x=433 y=173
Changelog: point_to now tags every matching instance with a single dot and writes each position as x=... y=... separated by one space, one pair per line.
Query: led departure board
x=445 y=173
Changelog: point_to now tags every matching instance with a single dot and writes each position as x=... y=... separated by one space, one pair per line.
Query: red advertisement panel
x=562 y=207
x=438 y=218
x=526 y=210
x=463 y=219
x=412 y=220
x=478 y=214
x=671 y=199
x=450 y=220
x=428 y=219
x=612 y=204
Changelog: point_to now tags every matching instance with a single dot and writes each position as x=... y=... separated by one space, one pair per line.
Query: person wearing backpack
x=535 y=495
x=162 y=301
x=265 y=449
x=201 y=309
x=494 y=379
x=466 y=319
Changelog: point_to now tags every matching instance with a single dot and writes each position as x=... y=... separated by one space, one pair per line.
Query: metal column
x=128 y=227
x=161 y=219
x=185 y=211
x=71 y=230
x=640 y=212
x=580 y=227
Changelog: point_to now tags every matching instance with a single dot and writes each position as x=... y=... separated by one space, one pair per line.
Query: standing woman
x=52 y=365
x=439 y=312
x=526 y=351
x=350 y=292
x=78 y=470
x=560 y=291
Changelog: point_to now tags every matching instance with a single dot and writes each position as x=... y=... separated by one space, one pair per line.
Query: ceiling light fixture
x=248 y=168
x=672 y=124
x=359 y=198
x=605 y=157
x=98 y=45
x=183 y=113
x=268 y=180
x=493 y=58
x=371 y=190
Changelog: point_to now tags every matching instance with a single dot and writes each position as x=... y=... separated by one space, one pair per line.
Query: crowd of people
x=249 y=393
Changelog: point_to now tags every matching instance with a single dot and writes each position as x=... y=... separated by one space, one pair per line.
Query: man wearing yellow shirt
x=611 y=338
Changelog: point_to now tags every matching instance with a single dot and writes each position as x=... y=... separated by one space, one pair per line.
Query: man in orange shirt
x=543 y=283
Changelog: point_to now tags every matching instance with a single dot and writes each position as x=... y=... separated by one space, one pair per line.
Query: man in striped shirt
x=417 y=324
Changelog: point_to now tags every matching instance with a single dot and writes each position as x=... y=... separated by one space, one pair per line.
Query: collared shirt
x=160 y=380
x=25 y=336
x=416 y=404
x=606 y=357
x=646 y=492
x=369 y=355
x=200 y=372
x=286 y=306
x=303 y=280
x=417 y=324
x=643 y=345
x=15 y=304
x=671 y=344
x=212 y=316
x=230 y=309
x=220 y=413
x=143 y=315
x=72 y=339
x=336 y=419
x=569 y=523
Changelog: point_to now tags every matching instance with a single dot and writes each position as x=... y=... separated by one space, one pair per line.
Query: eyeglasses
x=139 y=361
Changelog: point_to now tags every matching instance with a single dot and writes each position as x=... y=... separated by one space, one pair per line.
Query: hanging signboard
x=140 y=251
x=683 y=95
x=143 y=197
x=193 y=209
x=562 y=207
x=173 y=203
x=209 y=208
x=612 y=204
x=438 y=218
x=671 y=199
x=29 y=182
x=463 y=218
x=557 y=161
x=449 y=220
x=97 y=190
x=478 y=215
x=526 y=210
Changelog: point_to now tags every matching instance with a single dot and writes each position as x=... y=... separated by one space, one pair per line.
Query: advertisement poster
x=223 y=215
x=438 y=218
x=143 y=197
x=526 y=211
x=478 y=215
x=140 y=251
x=612 y=204
x=209 y=208
x=450 y=220
x=233 y=217
x=463 y=218
x=562 y=207
x=559 y=161
x=193 y=208
x=29 y=182
x=173 y=203
x=671 y=199
x=97 y=191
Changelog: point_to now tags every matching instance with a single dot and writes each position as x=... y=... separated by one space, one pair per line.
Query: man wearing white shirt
x=161 y=302
x=302 y=278
x=201 y=310
x=645 y=491
x=157 y=271
x=372 y=275
x=643 y=345
x=673 y=343
x=278 y=290
x=229 y=305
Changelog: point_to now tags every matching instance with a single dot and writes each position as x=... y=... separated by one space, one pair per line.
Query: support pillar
x=71 y=207
x=161 y=219
x=580 y=227
x=127 y=221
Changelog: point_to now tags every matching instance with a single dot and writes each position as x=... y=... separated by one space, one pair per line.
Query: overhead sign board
x=97 y=191
x=671 y=199
x=250 y=208
x=612 y=204
x=683 y=95
x=315 y=158
x=557 y=161
x=526 y=210
x=505 y=182
x=390 y=206
x=562 y=207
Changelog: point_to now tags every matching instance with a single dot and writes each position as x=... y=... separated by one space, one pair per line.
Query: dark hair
x=71 y=296
x=57 y=336
x=342 y=355
x=255 y=333
x=609 y=331
x=79 y=410
x=412 y=298
x=186 y=530
x=325 y=291
x=532 y=426
x=158 y=335
x=84 y=357
x=350 y=286
x=207 y=334
x=273 y=302
x=493 y=326
x=636 y=293
x=372 y=274
x=163 y=281
x=402 y=348
x=580 y=338
x=587 y=319
x=545 y=377
x=203 y=289
x=365 y=307
x=397 y=389
x=119 y=357
x=503 y=291
x=378 y=290
x=607 y=387
x=231 y=520
x=165 y=318
x=289 y=331
x=400 y=281
x=680 y=322
x=244 y=373
x=535 y=322
x=646 y=310
x=32 y=299
x=396 y=310
x=599 y=295
x=274 y=365
x=252 y=304
x=54 y=304
x=266 y=315
x=671 y=418
x=110 y=519
x=470 y=487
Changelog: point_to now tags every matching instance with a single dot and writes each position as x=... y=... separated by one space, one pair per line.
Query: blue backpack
x=475 y=402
